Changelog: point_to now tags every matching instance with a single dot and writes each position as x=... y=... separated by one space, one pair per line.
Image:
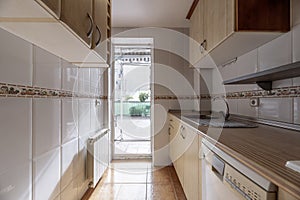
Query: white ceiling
x=150 y=13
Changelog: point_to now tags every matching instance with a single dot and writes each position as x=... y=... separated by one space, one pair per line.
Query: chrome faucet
x=226 y=115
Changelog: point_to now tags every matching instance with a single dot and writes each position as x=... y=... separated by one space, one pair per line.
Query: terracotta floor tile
x=138 y=181
x=159 y=176
x=126 y=176
x=160 y=192
x=120 y=192
x=179 y=191
x=125 y=164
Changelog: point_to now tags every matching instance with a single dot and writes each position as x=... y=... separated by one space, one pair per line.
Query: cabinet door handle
x=169 y=131
x=91 y=29
x=204 y=45
x=100 y=35
x=181 y=132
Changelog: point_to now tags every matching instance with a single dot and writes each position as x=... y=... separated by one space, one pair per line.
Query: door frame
x=112 y=100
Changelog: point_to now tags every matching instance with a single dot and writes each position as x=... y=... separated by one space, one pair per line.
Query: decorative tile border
x=173 y=97
x=285 y=92
x=11 y=90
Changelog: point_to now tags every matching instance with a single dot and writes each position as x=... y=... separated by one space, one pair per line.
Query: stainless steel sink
x=198 y=116
x=208 y=120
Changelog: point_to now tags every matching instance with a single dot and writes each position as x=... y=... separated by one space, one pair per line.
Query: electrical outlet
x=254 y=102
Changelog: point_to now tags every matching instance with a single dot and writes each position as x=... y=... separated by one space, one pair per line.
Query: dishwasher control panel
x=244 y=187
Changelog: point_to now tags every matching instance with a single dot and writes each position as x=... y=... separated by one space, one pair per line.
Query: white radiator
x=98 y=156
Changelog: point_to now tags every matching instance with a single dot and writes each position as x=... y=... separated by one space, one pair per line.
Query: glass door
x=132 y=70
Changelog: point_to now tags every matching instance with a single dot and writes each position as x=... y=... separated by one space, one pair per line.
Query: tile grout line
x=147 y=183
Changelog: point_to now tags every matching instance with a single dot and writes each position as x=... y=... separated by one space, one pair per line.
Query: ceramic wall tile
x=95 y=123
x=82 y=154
x=205 y=105
x=15 y=122
x=297 y=110
x=186 y=104
x=296 y=81
x=82 y=184
x=296 y=43
x=233 y=106
x=46 y=125
x=247 y=63
x=275 y=53
x=69 y=119
x=245 y=109
x=102 y=84
x=15 y=148
x=94 y=81
x=46 y=175
x=84 y=80
x=206 y=83
x=15 y=59
x=70 y=192
x=47 y=69
x=84 y=116
x=278 y=109
x=161 y=90
x=282 y=83
x=69 y=76
x=174 y=104
x=69 y=161
x=16 y=181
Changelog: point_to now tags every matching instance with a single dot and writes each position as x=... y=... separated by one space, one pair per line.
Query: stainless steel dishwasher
x=224 y=178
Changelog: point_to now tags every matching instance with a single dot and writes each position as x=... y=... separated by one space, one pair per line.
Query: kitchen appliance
x=225 y=178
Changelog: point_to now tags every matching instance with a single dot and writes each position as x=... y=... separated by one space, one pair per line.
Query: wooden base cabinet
x=283 y=195
x=184 y=150
x=191 y=167
x=226 y=29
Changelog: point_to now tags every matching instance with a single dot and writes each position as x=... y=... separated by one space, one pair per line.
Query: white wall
x=43 y=140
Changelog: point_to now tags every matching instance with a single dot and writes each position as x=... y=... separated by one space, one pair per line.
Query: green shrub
x=136 y=111
x=143 y=96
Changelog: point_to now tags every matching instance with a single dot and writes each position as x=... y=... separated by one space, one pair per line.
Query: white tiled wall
x=15 y=148
x=297 y=110
x=84 y=80
x=69 y=120
x=278 y=109
x=46 y=174
x=16 y=63
x=42 y=156
x=69 y=77
x=46 y=125
x=47 y=69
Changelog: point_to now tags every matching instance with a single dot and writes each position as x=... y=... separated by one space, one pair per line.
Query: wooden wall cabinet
x=53 y=6
x=102 y=26
x=65 y=28
x=78 y=15
x=231 y=28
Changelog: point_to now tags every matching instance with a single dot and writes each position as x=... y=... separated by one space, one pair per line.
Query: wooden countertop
x=264 y=149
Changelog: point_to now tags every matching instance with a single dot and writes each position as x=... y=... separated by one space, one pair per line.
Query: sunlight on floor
x=138 y=180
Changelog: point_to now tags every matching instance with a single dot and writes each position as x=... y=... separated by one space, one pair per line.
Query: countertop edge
x=261 y=170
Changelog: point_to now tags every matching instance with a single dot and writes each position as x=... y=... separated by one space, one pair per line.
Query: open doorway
x=132 y=98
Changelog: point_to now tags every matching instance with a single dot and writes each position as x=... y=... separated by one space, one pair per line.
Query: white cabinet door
x=191 y=168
